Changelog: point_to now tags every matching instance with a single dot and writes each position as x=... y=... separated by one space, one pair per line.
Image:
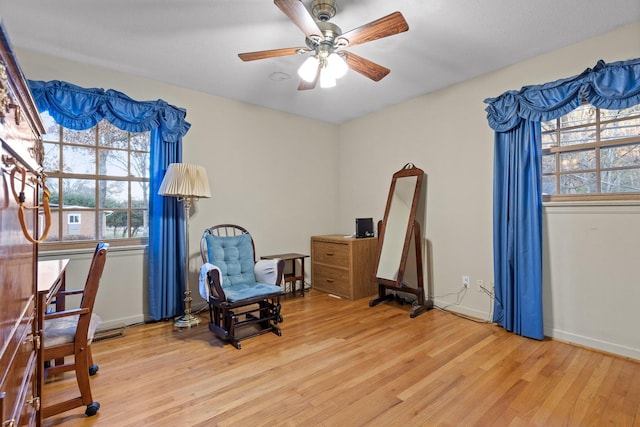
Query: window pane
x=84 y=230
x=115 y=224
x=626 y=155
x=141 y=141
x=578 y=160
x=52 y=185
x=51 y=161
x=550 y=125
x=113 y=194
x=78 y=193
x=111 y=136
x=627 y=128
x=51 y=127
x=139 y=223
x=140 y=165
x=53 y=235
x=548 y=184
x=578 y=183
x=113 y=163
x=581 y=116
x=78 y=160
x=549 y=134
x=577 y=136
x=84 y=137
x=621 y=181
x=139 y=194
x=549 y=140
x=618 y=114
x=549 y=163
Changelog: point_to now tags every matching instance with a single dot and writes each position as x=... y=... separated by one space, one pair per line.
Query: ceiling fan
x=326 y=40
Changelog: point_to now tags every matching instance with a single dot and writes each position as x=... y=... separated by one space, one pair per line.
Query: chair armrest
x=211 y=282
x=71 y=312
x=70 y=292
x=269 y=271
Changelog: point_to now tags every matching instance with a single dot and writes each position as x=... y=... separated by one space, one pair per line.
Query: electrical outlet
x=465 y=281
x=480 y=284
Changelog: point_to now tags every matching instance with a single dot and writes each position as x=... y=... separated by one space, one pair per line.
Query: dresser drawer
x=335 y=254
x=331 y=280
x=19 y=364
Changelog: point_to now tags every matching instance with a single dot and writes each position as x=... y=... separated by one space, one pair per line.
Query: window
x=99 y=183
x=592 y=154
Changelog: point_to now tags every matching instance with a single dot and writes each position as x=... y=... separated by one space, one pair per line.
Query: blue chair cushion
x=244 y=291
x=233 y=255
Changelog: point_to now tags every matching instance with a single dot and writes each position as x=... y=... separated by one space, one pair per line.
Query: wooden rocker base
x=232 y=326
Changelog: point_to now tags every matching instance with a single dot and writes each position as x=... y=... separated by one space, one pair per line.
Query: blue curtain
x=78 y=108
x=515 y=117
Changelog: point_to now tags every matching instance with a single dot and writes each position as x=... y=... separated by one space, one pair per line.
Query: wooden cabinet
x=343 y=266
x=20 y=130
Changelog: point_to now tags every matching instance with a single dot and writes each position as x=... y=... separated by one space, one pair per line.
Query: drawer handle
x=35 y=401
x=330 y=280
x=329 y=253
x=17 y=115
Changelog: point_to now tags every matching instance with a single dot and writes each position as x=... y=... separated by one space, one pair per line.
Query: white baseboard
x=606 y=346
x=461 y=309
x=121 y=322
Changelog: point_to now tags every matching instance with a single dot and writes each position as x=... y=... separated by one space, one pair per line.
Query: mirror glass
x=396 y=227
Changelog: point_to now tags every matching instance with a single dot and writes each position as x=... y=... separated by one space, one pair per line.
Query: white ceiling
x=194 y=43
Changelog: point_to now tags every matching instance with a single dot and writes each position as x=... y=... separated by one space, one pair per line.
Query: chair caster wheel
x=93 y=370
x=92 y=409
x=280 y=319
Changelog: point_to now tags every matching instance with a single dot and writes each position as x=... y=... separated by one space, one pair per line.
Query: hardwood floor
x=342 y=363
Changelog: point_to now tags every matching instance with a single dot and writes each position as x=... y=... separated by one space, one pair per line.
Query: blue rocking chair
x=243 y=295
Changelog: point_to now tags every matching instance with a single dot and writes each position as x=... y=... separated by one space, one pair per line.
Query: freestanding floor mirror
x=395 y=232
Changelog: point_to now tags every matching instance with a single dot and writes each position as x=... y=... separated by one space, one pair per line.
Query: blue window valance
x=609 y=86
x=78 y=108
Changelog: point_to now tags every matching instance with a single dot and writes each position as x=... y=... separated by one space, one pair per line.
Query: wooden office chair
x=69 y=333
x=242 y=294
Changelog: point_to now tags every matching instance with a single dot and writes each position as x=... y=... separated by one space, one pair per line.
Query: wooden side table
x=291 y=277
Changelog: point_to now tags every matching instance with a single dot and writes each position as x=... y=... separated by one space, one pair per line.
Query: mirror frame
x=409 y=170
x=412 y=229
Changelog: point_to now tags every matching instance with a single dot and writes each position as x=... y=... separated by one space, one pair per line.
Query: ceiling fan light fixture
x=337 y=65
x=327 y=79
x=308 y=69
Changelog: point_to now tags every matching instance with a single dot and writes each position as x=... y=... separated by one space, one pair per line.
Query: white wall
x=344 y=172
x=591 y=285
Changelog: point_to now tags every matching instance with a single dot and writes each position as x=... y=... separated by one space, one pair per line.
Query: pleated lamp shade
x=185 y=180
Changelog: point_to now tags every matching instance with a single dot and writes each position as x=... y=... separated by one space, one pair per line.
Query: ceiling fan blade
x=263 y=54
x=367 y=68
x=380 y=28
x=305 y=85
x=298 y=13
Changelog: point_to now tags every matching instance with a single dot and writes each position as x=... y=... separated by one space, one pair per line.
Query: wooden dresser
x=343 y=266
x=20 y=130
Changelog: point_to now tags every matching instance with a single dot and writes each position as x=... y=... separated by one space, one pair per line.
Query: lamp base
x=186 y=321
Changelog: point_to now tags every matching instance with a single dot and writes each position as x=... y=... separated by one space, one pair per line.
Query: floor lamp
x=186 y=182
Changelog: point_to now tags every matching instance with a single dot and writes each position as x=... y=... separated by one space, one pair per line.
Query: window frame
x=596 y=145
x=59 y=175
